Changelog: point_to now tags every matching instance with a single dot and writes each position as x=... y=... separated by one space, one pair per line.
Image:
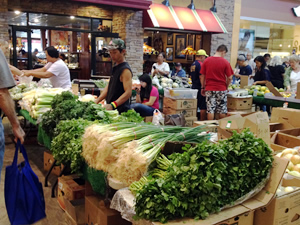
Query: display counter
x=276 y=102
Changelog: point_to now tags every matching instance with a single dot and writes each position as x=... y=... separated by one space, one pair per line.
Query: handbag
x=175 y=120
x=24 y=197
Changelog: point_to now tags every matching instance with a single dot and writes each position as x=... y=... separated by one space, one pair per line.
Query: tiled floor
x=55 y=215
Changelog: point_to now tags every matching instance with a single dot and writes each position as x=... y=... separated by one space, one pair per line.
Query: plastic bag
x=175 y=120
x=155 y=81
x=158 y=118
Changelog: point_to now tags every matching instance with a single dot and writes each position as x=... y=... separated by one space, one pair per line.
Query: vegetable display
x=66 y=106
x=67 y=144
x=17 y=91
x=204 y=179
x=125 y=150
x=101 y=83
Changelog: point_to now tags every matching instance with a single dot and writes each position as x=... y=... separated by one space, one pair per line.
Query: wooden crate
x=180 y=103
x=186 y=112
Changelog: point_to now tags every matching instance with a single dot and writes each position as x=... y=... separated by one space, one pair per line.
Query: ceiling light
x=72 y=17
x=296 y=11
x=166 y=3
x=191 y=6
x=214 y=8
x=280 y=45
x=17 y=12
x=289 y=46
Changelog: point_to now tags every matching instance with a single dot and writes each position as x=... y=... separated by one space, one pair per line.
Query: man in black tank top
x=119 y=89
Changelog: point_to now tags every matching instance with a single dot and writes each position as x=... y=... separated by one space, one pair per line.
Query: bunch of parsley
x=205 y=178
x=67 y=144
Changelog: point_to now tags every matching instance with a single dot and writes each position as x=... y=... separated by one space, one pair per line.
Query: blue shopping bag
x=24 y=197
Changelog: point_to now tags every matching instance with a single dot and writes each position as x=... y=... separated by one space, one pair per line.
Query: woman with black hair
x=56 y=70
x=262 y=74
x=146 y=97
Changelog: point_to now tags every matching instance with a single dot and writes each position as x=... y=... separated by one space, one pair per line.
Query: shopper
x=216 y=76
x=267 y=58
x=262 y=74
x=56 y=70
x=277 y=72
x=292 y=74
x=118 y=91
x=251 y=62
x=160 y=68
x=196 y=84
x=35 y=59
x=146 y=98
x=7 y=106
x=178 y=71
x=244 y=68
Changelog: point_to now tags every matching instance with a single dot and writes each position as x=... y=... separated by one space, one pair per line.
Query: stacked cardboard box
x=48 y=161
x=97 y=211
x=284 y=209
x=70 y=188
x=186 y=106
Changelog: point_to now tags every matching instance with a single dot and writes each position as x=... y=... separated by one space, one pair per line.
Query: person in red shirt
x=216 y=76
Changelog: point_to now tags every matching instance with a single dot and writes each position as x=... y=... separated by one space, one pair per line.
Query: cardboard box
x=284 y=209
x=293 y=132
x=75 y=211
x=242 y=219
x=284 y=140
x=244 y=112
x=70 y=187
x=48 y=161
x=257 y=122
x=272 y=89
x=97 y=213
x=239 y=103
x=180 y=103
x=263 y=198
x=298 y=90
x=186 y=112
x=212 y=125
x=286 y=117
x=190 y=121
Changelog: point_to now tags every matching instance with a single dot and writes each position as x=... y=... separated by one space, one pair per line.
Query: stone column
x=225 y=11
x=128 y=24
x=4 y=36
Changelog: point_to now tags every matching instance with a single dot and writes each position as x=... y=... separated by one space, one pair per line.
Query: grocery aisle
x=55 y=216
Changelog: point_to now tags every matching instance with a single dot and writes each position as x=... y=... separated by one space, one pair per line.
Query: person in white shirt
x=56 y=70
x=251 y=62
x=161 y=67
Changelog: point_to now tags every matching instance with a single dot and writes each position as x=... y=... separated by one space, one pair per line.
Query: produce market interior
x=149 y=112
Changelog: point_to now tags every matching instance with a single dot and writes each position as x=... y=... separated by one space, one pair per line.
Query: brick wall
x=4 y=36
x=61 y=7
x=225 y=12
x=128 y=24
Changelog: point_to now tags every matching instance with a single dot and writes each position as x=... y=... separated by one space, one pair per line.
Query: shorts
x=216 y=102
x=201 y=101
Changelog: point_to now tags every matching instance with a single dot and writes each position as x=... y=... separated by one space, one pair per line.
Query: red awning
x=182 y=18
x=133 y=4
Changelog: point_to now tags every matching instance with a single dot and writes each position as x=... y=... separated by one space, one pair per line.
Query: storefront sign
x=296 y=11
x=134 y=4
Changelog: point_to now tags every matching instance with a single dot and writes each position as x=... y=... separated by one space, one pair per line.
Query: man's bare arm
x=8 y=107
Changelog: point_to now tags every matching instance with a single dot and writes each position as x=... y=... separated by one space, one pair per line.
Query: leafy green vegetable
x=67 y=145
x=130 y=116
x=205 y=178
